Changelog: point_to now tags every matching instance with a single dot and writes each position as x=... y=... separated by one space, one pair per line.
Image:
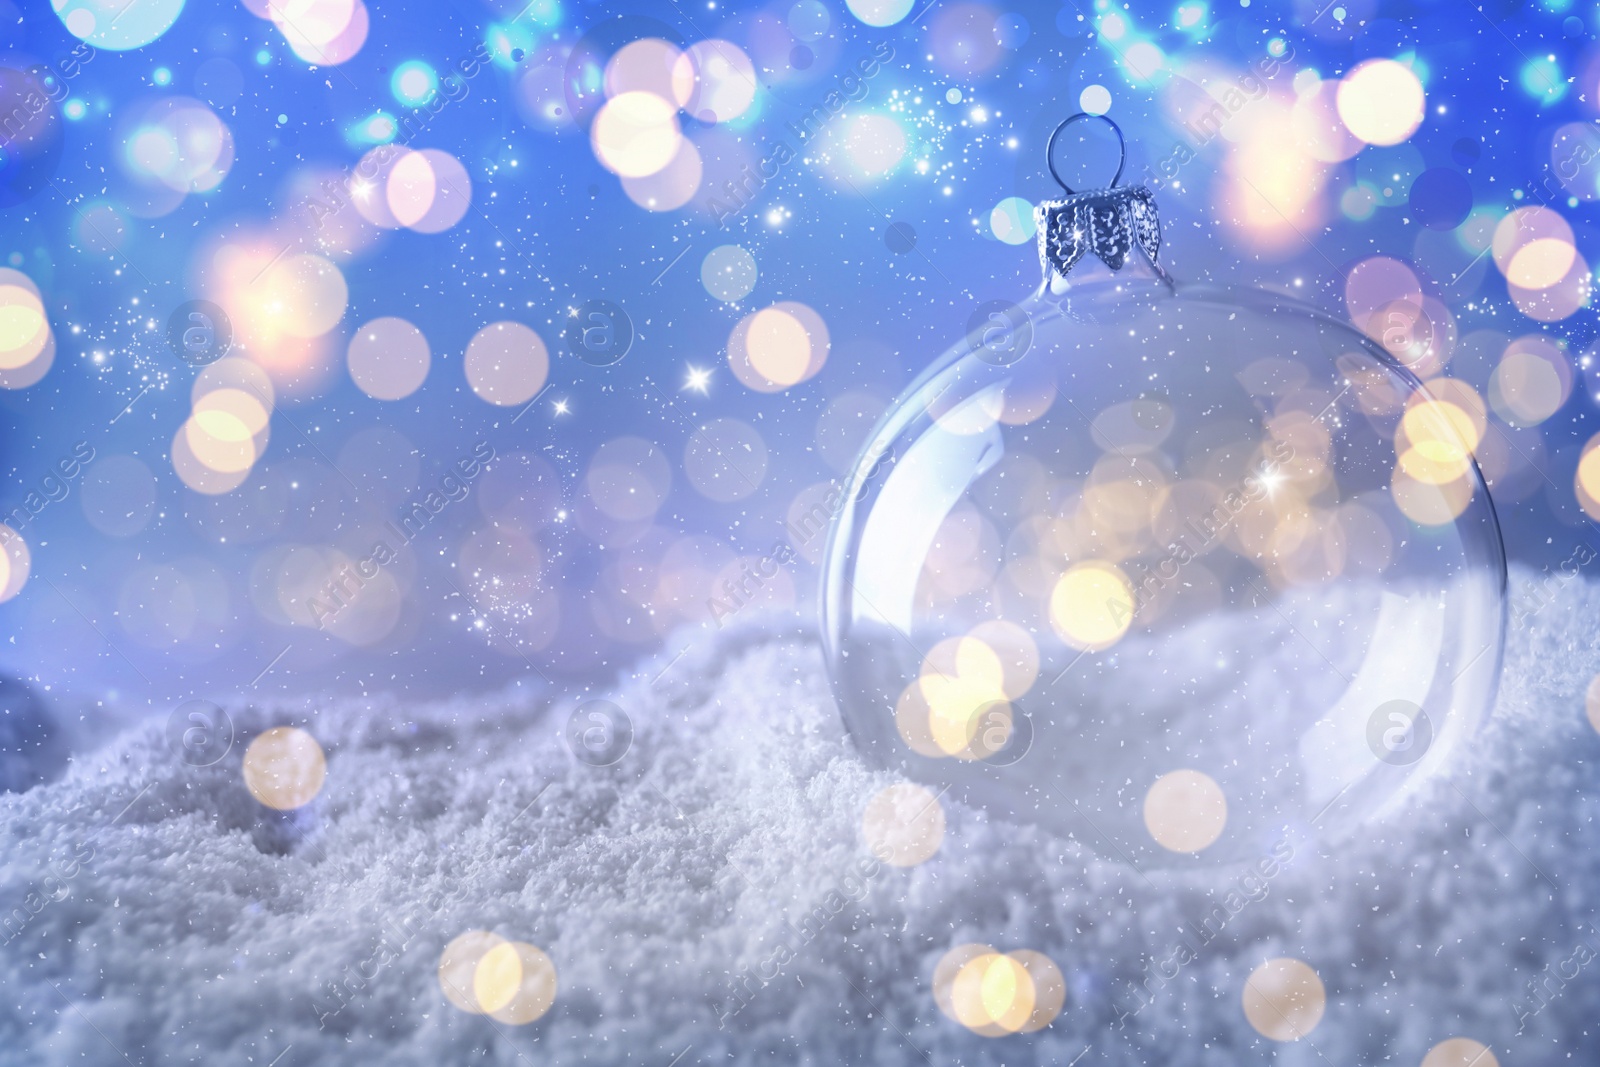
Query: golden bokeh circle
x=302 y=295
x=482 y=973
x=533 y=990
x=945 y=971
x=1185 y=810
x=777 y=347
x=458 y=967
x=635 y=134
x=1284 y=1000
x=1092 y=606
x=284 y=768
x=994 y=994
x=1460 y=1052
x=1381 y=101
x=1049 y=988
x=1428 y=503
x=1586 y=479
x=15 y=563
x=24 y=327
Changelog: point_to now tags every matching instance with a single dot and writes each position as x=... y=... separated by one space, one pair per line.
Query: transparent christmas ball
x=1173 y=569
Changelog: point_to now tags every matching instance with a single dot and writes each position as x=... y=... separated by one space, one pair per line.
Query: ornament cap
x=1107 y=222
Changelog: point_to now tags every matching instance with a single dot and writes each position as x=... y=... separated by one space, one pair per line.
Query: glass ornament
x=1174 y=569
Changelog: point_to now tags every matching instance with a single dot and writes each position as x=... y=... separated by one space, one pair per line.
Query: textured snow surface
x=188 y=926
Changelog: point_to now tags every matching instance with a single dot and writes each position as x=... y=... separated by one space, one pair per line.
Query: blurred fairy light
x=319 y=32
x=729 y=273
x=117 y=25
x=1586 y=486
x=1011 y=220
x=635 y=134
x=27 y=343
x=1185 y=811
x=880 y=12
x=778 y=347
x=1381 y=101
x=1541 y=78
x=388 y=358
x=378 y=128
x=507 y=363
x=1191 y=16
x=414 y=82
x=15 y=563
x=284 y=768
x=1284 y=999
x=994 y=994
x=506 y=40
x=1139 y=57
x=174 y=147
x=482 y=973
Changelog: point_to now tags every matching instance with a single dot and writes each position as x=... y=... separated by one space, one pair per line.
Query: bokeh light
x=16 y=562
x=1381 y=101
x=778 y=347
x=1531 y=382
x=1091 y=606
x=1586 y=479
x=284 y=768
x=649 y=66
x=414 y=82
x=117 y=25
x=1185 y=811
x=482 y=973
x=321 y=32
x=27 y=345
x=388 y=358
x=995 y=994
x=1460 y=1052
x=458 y=967
x=181 y=144
x=1012 y=220
x=507 y=363
x=879 y=12
x=672 y=186
x=720 y=81
x=635 y=134
x=728 y=273
x=1284 y=999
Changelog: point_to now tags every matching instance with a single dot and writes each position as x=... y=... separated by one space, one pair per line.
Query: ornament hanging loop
x=1108 y=223
x=1050 y=149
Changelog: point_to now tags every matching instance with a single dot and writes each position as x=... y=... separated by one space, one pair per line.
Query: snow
x=167 y=918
